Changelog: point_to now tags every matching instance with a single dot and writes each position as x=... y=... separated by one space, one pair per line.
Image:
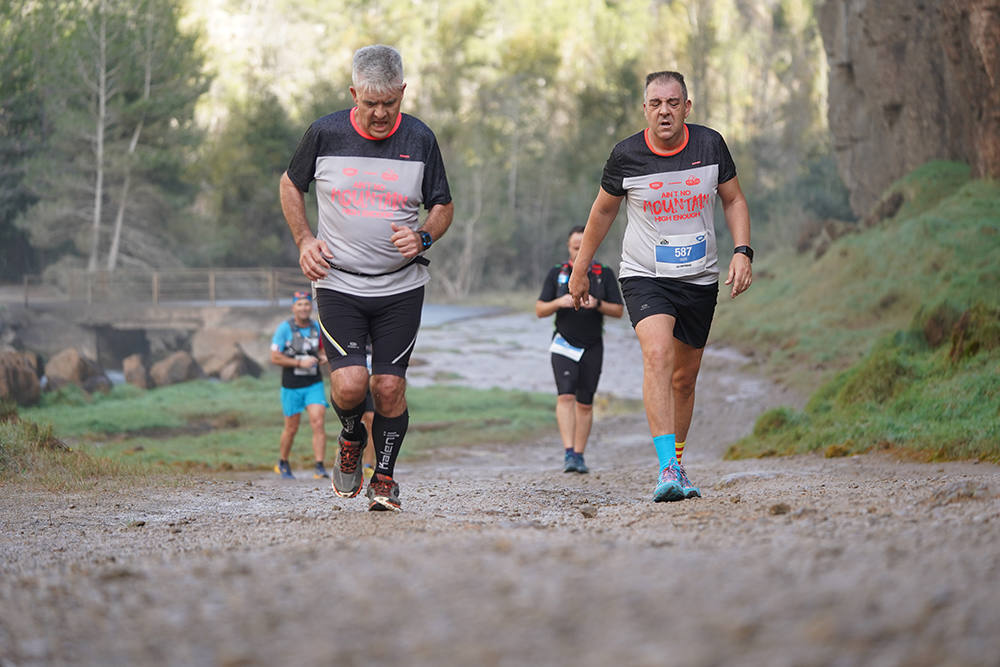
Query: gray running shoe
x=348 y=475
x=383 y=494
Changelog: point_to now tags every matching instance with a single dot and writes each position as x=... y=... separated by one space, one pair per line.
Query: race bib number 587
x=681 y=255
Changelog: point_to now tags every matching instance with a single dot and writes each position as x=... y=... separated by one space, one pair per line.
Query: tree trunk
x=102 y=106
x=133 y=144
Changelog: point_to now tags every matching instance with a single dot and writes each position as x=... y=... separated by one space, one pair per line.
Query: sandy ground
x=499 y=558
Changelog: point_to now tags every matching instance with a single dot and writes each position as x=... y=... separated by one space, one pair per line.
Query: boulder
x=72 y=367
x=219 y=351
x=239 y=366
x=135 y=371
x=178 y=367
x=18 y=379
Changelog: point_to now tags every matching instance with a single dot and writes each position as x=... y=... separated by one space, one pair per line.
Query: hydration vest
x=562 y=280
x=300 y=344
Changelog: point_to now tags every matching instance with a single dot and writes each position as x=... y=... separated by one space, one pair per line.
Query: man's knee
x=584 y=408
x=389 y=394
x=684 y=381
x=566 y=399
x=349 y=386
x=658 y=355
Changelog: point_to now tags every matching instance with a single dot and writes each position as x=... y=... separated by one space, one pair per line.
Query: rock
x=135 y=371
x=178 y=367
x=882 y=56
x=738 y=477
x=72 y=367
x=960 y=491
x=18 y=378
x=238 y=367
x=779 y=508
x=588 y=510
x=219 y=351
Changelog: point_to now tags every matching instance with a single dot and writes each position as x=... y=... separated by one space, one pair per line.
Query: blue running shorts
x=294 y=401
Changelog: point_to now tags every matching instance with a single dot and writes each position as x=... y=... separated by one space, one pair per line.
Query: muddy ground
x=499 y=558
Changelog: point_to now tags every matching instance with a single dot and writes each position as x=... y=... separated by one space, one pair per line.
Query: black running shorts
x=692 y=306
x=389 y=323
x=579 y=377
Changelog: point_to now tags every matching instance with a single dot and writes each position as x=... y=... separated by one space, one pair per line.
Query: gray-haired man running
x=373 y=167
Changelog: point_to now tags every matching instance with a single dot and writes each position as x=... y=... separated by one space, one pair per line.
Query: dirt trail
x=501 y=559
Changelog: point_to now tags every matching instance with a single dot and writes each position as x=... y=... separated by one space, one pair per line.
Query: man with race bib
x=669 y=174
x=577 y=347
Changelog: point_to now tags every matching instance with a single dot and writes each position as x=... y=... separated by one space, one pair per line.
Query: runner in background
x=298 y=349
x=577 y=346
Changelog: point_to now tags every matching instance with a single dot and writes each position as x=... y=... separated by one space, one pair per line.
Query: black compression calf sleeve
x=388 y=433
x=354 y=428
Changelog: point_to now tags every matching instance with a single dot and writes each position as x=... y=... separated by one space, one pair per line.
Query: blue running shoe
x=669 y=487
x=581 y=467
x=690 y=490
x=284 y=470
x=569 y=461
x=320 y=472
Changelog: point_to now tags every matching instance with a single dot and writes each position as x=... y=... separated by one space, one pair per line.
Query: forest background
x=152 y=133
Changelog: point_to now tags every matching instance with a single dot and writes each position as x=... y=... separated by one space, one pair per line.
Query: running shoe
x=369 y=470
x=581 y=467
x=569 y=461
x=669 y=486
x=284 y=469
x=690 y=490
x=383 y=493
x=320 y=472
x=348 y=477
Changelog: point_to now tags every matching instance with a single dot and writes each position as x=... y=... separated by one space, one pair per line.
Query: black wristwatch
x=746 y=250
x=425 y=238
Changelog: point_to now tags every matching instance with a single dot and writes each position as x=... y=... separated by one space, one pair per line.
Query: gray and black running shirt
x=670 y=204
x=363 y=185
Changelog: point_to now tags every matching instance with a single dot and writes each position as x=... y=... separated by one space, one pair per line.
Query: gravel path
x=501 y=559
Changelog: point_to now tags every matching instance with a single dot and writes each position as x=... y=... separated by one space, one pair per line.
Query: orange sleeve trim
x=649 y=144
x=357 y=128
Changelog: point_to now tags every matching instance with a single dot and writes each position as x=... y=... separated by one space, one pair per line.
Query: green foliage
x=902 y=321
x=117 y=83
x=240 y=170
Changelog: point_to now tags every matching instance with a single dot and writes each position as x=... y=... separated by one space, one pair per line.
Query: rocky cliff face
x=911 y=81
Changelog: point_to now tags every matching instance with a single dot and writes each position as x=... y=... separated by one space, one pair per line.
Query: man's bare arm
x=602 y=215
x=408 y=241
x=734 y=204
x=313 y=253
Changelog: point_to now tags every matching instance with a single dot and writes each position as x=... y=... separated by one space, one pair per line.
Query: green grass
x=31 y=454
x=874 y=328
x=206 y=425
x=810 y=318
